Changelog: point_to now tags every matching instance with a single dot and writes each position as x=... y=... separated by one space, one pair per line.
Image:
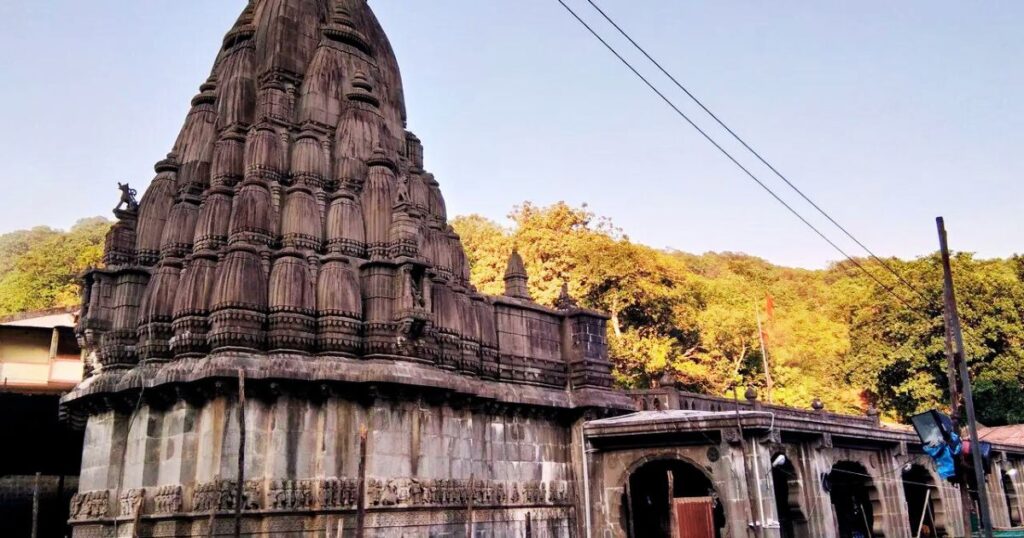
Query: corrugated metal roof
x=1007 y=435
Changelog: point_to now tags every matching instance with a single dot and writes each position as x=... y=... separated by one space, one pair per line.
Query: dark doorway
x=918 y=486
x=650 y=502
x=786 y=484
x=35 y=441
x=851 y=490
x=1011 y=499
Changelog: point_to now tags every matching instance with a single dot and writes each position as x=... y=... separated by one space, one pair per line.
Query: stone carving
x=338 y=493
x=330 y=493
x=167 y=500
x=291 y=494
x=252 y=495
x=564 y=300
x=130 y=501
x=214 y=496
x=90 y=505
x=128 y=200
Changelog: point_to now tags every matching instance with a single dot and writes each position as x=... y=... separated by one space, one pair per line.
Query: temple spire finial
x=516 y=277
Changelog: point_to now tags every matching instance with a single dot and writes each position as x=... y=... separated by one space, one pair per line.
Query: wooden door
x=694 y=517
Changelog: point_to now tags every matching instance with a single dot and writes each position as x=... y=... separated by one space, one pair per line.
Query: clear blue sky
x=887 y=113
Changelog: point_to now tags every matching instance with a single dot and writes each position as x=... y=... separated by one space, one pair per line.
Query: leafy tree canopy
x=39 y=268
x=833 y=334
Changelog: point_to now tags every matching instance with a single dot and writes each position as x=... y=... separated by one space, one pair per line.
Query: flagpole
x=764 y=356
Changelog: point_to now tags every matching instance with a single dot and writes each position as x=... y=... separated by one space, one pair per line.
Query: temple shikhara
x=293 y=242
x=294 y=234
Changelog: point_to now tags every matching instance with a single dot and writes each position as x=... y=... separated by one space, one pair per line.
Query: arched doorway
x=852 y=492
x=918 y=486
x=787 y=485
x=650 y=498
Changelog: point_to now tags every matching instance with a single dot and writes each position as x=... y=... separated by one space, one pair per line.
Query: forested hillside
x=834 y=334
x=39 y=268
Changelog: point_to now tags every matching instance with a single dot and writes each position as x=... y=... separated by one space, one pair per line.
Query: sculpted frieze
x=167 y=500
x=90 y=505
x=325 y=494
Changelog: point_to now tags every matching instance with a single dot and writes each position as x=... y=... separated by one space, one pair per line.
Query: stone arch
x=646 y=498
x=856 y=500
x=917 y=480
x=788 y=491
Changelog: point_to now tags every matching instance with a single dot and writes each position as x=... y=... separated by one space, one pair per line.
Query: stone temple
x=293 y=243
x=294 y=235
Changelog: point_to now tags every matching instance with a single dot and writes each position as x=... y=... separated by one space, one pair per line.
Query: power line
x=671 y=104
x=699 y=103
x=728 y=155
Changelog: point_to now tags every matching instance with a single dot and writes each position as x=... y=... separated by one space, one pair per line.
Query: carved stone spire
x=295 y=216
x=516 y=277
x=564 y=300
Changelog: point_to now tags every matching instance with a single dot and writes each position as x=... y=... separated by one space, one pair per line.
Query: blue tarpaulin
x=943 y=454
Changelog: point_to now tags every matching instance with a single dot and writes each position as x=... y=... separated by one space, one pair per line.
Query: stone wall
x=723 y=464
x=427 y=462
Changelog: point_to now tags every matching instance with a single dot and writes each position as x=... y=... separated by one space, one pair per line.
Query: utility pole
x=954 y=410
x=953 y=320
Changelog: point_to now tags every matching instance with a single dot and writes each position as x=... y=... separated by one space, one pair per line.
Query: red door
x=694 y=517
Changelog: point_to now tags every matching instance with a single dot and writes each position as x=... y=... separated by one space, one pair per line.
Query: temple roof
x=294 y=216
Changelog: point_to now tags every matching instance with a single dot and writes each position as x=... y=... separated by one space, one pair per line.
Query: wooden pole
x=759 y=528
x=867 y=524
x=240 y=485
x=954 y=409
x=965 y=379
x=35 y=507
x=924 y=511
x=361 y=490
x=469 y=506
x=671 y=494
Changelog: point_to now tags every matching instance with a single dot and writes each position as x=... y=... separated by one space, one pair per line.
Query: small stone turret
x=516 y=277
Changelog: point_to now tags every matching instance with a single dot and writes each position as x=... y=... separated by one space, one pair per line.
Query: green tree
x=39 y=268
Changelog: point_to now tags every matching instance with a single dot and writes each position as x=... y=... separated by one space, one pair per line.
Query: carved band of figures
x=322 y=494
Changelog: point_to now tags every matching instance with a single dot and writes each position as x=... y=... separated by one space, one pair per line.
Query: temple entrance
x=786 y=483
x=665 y=495
x=852 y=490
x=922 y=502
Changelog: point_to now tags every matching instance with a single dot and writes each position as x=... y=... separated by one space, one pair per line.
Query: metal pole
x=239 y=487
x=35 y=507
x=965 y=380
